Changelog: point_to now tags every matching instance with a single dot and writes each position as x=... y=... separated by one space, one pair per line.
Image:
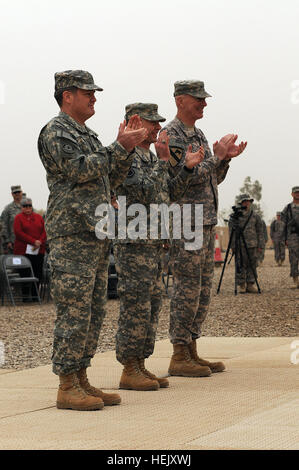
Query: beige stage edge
x=253 y=405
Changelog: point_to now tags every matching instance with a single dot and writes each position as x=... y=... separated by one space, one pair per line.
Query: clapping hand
x=226 y=148
x=132 y=133
x=162 y=146
x=235 y=150
x=194 y=158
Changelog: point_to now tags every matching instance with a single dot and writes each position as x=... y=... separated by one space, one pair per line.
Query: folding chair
x=11 y=268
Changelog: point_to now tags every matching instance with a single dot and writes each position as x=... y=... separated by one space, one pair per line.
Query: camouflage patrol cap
x=295 y=189
x=26 y=201
x=244 y=197
x=15 y=189
x=77 y=78
x=194 y=88
x=278 y=213
x=148 y=111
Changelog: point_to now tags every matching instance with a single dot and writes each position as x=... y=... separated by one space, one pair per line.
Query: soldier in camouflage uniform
x=139 y=260
x=1 y=242
x=252 y=229
x=193 y=269
x=80 y=172
x=290 y=217
x=261 y=253
x=8 y=217
x=277 y=237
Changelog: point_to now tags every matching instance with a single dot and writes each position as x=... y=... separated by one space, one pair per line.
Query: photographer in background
x=290 y=217
x=252 y=227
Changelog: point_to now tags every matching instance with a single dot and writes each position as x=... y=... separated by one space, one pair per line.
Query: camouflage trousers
x=279 y=250
x=293 y=247
x=79 y=268
x=140 y=292
x=192 y=281
x=243 y=272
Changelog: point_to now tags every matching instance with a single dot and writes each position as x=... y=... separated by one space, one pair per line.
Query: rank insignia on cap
x=67 y=148
x=176 y=154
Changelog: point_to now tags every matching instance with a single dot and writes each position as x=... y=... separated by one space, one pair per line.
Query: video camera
x=238 y=211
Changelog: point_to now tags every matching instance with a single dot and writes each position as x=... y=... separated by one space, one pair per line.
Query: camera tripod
x=238 y=236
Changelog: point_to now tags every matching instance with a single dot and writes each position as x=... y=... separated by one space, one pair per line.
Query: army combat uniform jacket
x=1 y=239
x=208 y=174
x=8 y=217
x=149 y=183
x=290 y=217
x=277 y=230
x=80 y=173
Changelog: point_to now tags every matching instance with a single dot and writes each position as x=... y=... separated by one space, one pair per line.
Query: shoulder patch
x=176 y=154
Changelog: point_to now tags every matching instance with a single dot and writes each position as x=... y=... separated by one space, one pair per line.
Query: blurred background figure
x=261 y=253
x=1 y=237
x=30 y=241
x=8 y=217
x=277 y=236
x=290 y=217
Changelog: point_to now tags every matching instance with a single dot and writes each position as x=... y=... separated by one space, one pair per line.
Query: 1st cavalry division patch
x=176 y=154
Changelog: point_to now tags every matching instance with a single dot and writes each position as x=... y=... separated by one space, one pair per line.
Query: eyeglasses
x=27 y=205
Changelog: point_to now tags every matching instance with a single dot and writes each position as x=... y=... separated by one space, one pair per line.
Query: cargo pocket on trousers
x=72 y=283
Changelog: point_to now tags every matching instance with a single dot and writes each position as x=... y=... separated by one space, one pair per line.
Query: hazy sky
x=246 y=52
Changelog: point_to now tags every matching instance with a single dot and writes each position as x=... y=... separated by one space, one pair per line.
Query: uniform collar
x=82 y=129
x=185 y=129
x=145 y=156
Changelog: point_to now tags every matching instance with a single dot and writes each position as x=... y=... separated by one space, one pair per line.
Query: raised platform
x=253 y=405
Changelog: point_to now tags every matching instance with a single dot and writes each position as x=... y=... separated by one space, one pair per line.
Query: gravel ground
x=26 y=331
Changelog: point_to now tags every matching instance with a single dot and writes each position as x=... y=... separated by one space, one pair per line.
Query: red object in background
x=29 y=228
x=217 y=253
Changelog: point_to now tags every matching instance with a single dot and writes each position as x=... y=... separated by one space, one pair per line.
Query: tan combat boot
x=251 y=288
x=72 y=396
x=181 y=363
x=133 y=379
x=242 y=288
x=214 y=366
x=163 y=382
x=108 y=398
